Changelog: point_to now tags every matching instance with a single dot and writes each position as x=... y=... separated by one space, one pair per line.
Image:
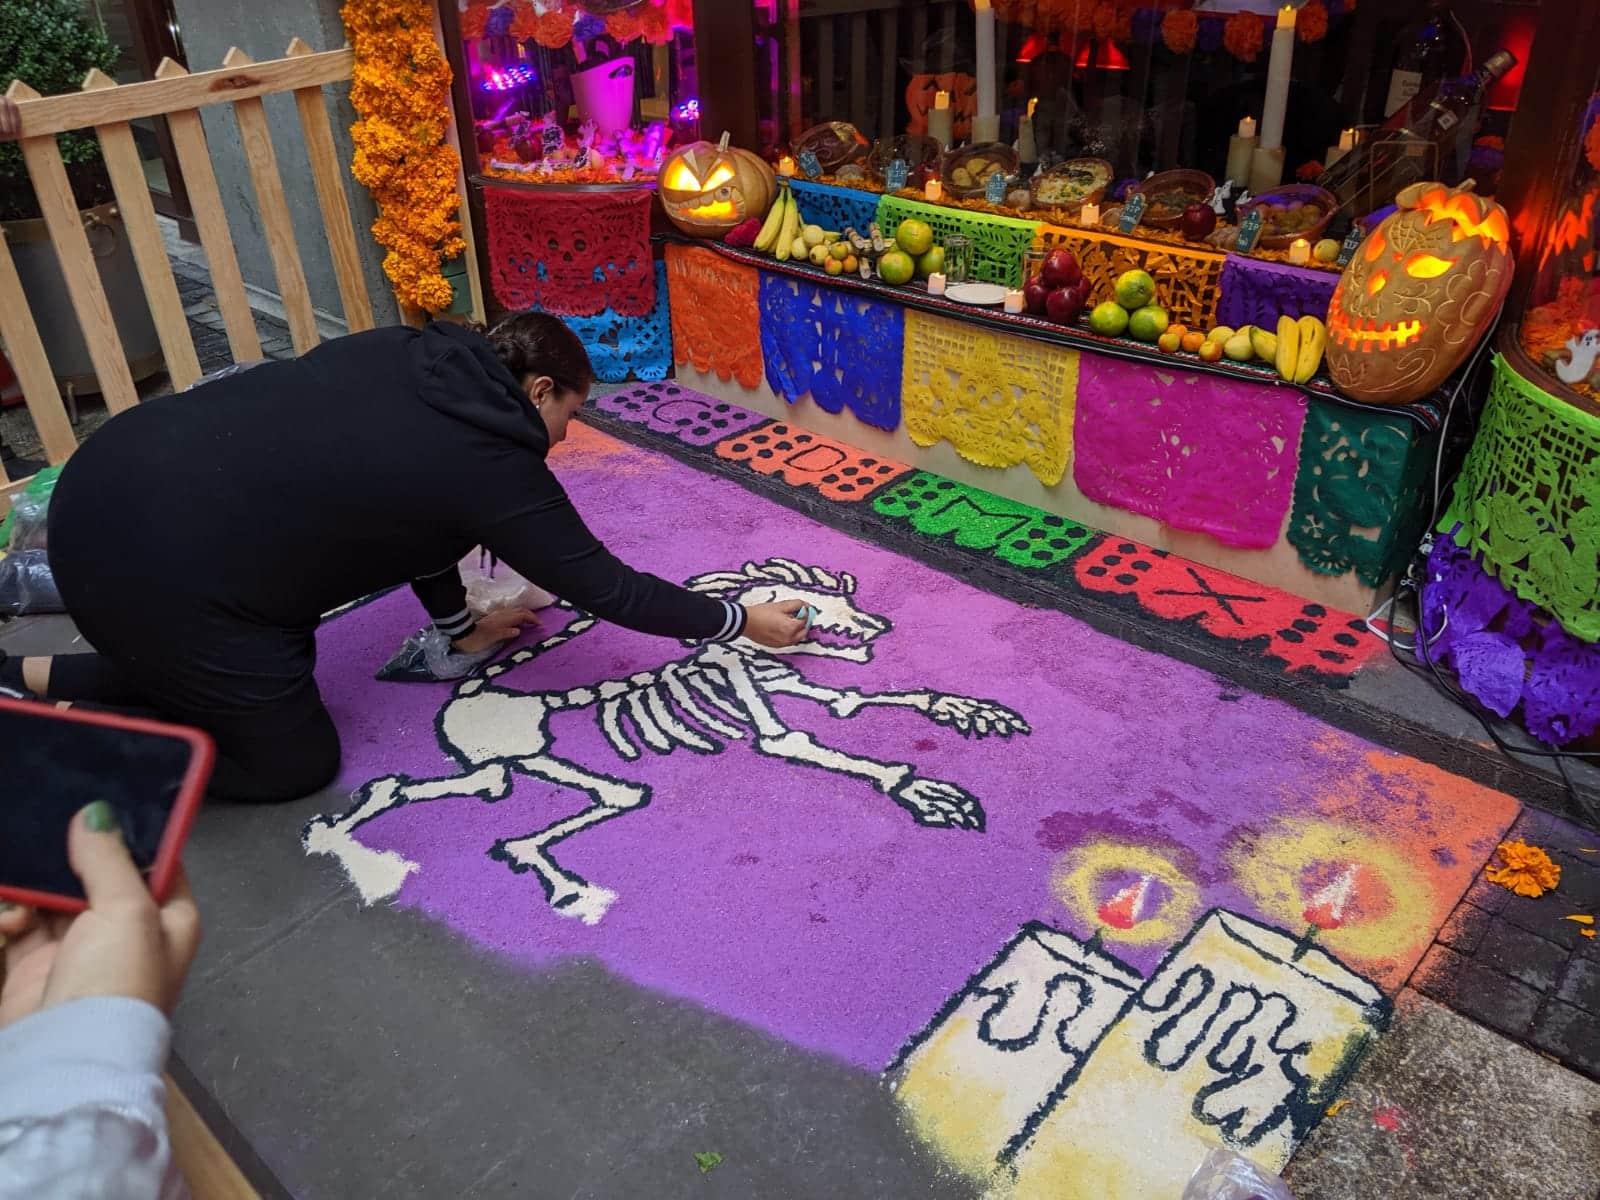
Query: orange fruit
x=1193 y=341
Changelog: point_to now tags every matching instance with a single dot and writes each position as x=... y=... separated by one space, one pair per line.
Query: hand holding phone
x=53 y=763
x=125 y=944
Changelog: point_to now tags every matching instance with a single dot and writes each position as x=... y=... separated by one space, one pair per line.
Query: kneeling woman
x=198 y=539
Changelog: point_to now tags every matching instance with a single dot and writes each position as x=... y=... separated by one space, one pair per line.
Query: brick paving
x=1513 y=964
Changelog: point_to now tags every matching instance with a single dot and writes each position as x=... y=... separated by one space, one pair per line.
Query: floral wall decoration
x=553 y=24
x=400 y=90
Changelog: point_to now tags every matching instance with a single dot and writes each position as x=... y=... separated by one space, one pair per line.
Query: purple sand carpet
x=1142 y=794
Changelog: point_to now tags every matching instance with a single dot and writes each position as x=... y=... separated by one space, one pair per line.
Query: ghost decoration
x=1419 y=294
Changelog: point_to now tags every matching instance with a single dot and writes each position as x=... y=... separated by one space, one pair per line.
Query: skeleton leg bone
x=568 y=894
x=379 y=874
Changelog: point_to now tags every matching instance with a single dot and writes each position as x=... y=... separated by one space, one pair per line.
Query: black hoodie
x=382 y=458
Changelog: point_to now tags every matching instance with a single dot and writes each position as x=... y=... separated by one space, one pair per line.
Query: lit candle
x=986 y=124
x=1089 y=214
x=1013 y=300
x=1299 y=251
x=1347 y=143
x=936 y=284
x=1027 y=148
x=786 y=167
x=1279 y=68
x=933 y=191
x=1347 y=140
x=939 y=119
x=1241 y=147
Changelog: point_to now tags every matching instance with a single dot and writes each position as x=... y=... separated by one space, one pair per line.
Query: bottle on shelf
x=1427 y=51
x=1429 y=137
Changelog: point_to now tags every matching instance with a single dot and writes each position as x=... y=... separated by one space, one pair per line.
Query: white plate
x=976 y=293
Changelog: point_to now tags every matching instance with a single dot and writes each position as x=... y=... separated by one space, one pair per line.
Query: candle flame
x=1326 y=909
x=1286 y=16
x=1032 y=104
x=1126 y=908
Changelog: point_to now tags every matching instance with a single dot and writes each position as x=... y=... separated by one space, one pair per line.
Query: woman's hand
x=775 y=625
x=496 y=627
x=123 y=945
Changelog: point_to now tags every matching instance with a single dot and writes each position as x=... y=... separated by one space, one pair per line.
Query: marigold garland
x=400 y=89
x=1179 y=29
x=525 y=23
x=1311 y=24
x=1243 y=36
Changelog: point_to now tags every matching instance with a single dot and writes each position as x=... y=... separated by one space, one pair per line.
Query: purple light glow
x=503 y=79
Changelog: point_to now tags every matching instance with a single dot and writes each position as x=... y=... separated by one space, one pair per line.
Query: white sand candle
x=933 y=191
x=1089 y=214
x=786 y=167
x=936 y=284
x=1347 y=143
x=1013 y=300
x=1299 y=251
x=940 y=119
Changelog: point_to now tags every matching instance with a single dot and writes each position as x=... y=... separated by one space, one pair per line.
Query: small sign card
x=1132 y=212
x=895 y=176
x=1348 y=247
x=552 y=138
x=1249 y=232
x=995 y=191
x=809 y=166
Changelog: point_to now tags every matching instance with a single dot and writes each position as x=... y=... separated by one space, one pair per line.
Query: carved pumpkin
x=1419 y=293
x=963 y=89
x=708 y=189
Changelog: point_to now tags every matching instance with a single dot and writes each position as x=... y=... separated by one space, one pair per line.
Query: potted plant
x=51 y=45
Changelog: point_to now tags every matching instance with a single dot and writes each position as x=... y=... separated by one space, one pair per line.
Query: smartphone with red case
x=53 y=762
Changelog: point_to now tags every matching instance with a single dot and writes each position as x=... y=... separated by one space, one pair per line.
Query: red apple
x=1034 y=294
x=1199 y=221
x=1061 y=306
x=1061 y=268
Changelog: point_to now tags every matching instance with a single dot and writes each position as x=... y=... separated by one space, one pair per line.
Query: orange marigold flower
x=1312 y=22
x=553 y=30
x=1178 y=30
x=475 y=20
x=1243 y=36
x=655 y=27
x=623 y=26
x=1526 y=870
x=1105 y=20
x=525 y=23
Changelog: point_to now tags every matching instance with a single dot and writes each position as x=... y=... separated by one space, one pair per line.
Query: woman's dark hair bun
x=537 y=343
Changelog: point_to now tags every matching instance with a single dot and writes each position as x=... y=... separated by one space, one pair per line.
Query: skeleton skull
x=1418 y=295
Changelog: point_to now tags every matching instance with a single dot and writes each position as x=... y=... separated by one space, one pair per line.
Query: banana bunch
x=1298 y=352
x=778 y=231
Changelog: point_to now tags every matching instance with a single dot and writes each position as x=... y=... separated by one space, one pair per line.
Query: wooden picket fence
x=176 y=94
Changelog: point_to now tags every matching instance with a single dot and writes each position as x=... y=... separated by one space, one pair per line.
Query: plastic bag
x=26 y=585
x=24 y=526
x=1224 y=1175
x=427 y=657
x=491 y=586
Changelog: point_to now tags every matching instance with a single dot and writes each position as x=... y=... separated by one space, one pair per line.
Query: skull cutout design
x=1418 y=294
x=708 y=189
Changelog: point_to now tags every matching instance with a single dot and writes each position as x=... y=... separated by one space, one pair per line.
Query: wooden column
x=724 y=35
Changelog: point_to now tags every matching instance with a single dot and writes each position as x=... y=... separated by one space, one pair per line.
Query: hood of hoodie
x=462 y=378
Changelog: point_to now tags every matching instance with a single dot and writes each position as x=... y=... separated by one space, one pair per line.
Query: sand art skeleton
x=718 y=693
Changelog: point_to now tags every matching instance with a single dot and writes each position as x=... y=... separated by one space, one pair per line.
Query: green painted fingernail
x=100 y=817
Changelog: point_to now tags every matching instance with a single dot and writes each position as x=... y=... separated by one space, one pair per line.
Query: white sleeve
x=82 y=1104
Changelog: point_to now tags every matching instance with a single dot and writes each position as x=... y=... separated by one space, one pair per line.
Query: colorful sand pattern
x=1238 y=885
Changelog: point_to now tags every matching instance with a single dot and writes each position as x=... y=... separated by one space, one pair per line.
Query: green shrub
x=51 y=45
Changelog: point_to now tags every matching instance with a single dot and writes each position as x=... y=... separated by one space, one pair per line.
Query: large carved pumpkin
x=708 y=189
x=1419 y=293
x=963 y=89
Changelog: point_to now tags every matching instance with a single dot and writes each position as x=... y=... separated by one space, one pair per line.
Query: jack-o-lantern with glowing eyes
x=923 y=91
x=708 y=189
x=1419 y=293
